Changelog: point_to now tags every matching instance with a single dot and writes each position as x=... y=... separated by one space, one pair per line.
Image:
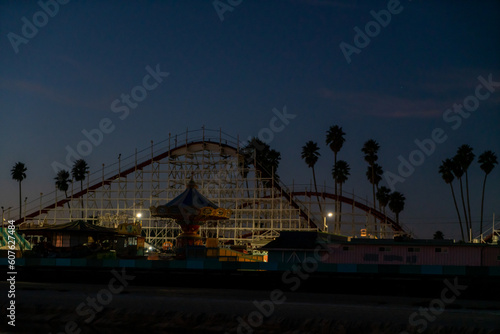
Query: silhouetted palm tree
x=487 y=162
x=310 y=154
x=374 y=175
x=397 y=204
x=459 y=172
x=465 y=158
x=79 y=172
x=62 y=180
x=340 y=172
x=446 y=171
x=335 y=140
x=370 y=149
x=18 y=173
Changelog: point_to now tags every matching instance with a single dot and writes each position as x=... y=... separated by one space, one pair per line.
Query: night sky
x=229 y=67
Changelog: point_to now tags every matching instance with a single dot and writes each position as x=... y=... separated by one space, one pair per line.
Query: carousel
x=190 y=210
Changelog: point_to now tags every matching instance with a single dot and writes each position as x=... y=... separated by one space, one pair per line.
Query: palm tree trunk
x=458 y=211
x=465 y=211
x=335 y=181
x=316 y=189
x=340 y=209
x=81 y=197
x=20 y=202
x=374 y=199
x=468 y=202
x=482 y=205
x=66 y=193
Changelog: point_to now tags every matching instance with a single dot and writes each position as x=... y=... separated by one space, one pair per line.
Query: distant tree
x=335 y=140
x=310 y=154
x=79 y=173
x=465 y=157
x=62 y=180
x=397 y=204
x=18 y=173
x=340 y=172
x=487 y=162
x=446 y=171
x=267 y=159
x=438 y=235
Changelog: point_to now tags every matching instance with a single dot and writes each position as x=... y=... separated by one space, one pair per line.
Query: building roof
x=298 y=240
x=78 y=226
x=301 y=240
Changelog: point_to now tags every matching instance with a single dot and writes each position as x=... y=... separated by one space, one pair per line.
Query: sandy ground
x=52 y=308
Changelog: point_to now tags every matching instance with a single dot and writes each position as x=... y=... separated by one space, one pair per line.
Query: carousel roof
x=190 y=206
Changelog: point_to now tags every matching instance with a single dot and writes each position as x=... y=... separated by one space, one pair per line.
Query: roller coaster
x=262 y=205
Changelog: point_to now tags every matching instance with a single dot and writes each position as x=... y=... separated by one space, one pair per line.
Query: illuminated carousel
x=190 y=210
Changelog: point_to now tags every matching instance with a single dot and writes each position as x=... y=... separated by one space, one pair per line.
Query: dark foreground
x=106 y=301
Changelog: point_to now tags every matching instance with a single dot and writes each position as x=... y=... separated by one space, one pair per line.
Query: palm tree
x=383 y=197
x=340 y=172
x=465 y=158
x=79 y=172
x=62 y=180
x=370 y=149
x=487 y=162
x=335 y=140
x=18 y=173
x=310 y=154
x=397 y=203
x=446 y=171
x=459 y=172
x=374 y=175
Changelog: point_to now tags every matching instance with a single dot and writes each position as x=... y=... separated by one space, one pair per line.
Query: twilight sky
x=229 y=67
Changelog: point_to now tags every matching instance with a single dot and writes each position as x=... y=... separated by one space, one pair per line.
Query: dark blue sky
x=230 y=74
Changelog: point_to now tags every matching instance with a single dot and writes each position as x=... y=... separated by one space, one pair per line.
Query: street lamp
x=138 y=216
x=325 y=226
